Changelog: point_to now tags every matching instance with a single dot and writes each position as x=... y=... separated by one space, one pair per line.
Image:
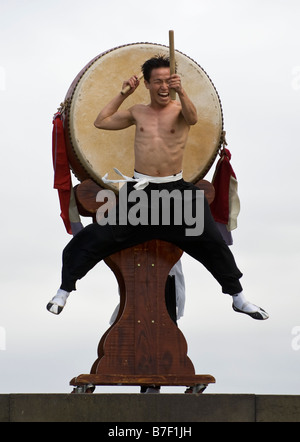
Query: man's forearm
x=189 y=110
x=110 y=109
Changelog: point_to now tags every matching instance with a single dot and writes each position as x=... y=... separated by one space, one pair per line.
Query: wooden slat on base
x=142 y=380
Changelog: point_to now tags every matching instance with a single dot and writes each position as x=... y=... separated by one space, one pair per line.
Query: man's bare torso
x=162 y=127
x=160 y=139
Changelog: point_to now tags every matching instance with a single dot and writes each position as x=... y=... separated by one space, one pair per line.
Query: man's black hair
x=159 y=61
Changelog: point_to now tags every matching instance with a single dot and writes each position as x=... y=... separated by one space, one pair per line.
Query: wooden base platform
x=142 y=380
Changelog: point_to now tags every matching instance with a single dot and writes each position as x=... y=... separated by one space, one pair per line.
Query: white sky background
x=250 y=50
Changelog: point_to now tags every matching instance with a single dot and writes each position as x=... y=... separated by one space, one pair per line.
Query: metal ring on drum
x=92 y=152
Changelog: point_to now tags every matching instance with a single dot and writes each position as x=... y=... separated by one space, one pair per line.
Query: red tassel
x=62 y=175
x=220 y=207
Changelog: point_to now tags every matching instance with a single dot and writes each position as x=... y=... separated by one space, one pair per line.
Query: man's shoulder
x=138 y=110
x=139 y=107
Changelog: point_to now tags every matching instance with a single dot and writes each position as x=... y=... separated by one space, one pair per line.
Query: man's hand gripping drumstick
x=131 y=84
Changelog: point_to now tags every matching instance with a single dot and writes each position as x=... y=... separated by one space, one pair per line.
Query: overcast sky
x=250 y=50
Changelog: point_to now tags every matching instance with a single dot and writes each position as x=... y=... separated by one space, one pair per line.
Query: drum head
x=93 y=153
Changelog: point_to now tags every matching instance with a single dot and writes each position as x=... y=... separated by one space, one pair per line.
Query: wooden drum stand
x=144 y=346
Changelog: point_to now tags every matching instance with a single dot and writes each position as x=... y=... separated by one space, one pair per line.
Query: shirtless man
x=162 y=128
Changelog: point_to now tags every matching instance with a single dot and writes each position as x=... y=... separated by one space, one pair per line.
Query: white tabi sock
x=240 y=302
x=61 y=297
x=58 y=302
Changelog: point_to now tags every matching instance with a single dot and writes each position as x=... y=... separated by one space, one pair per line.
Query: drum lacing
x=63 y=106
x=223 y=143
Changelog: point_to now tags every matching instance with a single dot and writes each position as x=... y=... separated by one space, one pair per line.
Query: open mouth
x=163 y=94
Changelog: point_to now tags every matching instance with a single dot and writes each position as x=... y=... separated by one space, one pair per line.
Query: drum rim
x=80 y=171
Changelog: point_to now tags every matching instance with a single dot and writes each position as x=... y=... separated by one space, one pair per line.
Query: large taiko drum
x=92 y=152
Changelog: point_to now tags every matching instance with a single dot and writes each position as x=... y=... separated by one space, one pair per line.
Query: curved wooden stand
x=144 y=346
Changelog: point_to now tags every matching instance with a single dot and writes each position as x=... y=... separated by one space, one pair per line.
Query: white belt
x=142 y=180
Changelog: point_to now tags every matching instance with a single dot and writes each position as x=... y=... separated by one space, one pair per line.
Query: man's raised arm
x=189 y=111
x=110 y=117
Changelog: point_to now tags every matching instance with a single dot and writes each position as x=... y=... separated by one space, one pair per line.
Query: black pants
x=96 y=242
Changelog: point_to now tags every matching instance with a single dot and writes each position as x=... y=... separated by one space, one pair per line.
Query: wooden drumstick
x=172 y=61
x=127 y=88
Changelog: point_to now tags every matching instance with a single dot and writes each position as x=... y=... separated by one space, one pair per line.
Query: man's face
x=159 y=86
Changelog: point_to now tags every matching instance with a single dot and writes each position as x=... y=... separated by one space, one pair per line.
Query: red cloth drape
x=220 y=207
x=62 y=175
